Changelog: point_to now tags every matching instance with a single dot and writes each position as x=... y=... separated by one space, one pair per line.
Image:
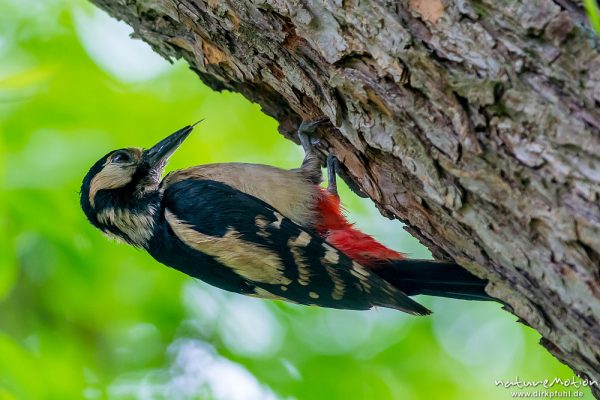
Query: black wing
x=244 y=245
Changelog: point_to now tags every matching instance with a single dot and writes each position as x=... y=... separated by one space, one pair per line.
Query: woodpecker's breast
x=287 y=191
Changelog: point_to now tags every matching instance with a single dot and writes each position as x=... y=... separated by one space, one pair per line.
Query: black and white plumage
x=217 y=223
x=239 y=243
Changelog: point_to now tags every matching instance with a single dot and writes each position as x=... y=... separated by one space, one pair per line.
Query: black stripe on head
x=84 y=194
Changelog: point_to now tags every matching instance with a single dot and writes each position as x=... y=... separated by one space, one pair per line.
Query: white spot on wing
x=277 y=224
x=296 y=247
x=332 y=256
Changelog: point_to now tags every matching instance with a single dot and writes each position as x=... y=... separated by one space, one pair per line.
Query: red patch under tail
x=335 y=228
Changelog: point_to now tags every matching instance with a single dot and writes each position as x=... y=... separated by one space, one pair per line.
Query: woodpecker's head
x=119 y=194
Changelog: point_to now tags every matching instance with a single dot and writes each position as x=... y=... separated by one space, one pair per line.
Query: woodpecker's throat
x=133 y=225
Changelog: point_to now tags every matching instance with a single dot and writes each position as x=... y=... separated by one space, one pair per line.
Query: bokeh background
x=85 y=318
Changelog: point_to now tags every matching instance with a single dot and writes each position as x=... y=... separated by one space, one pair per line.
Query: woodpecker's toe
x=306 y=131
x=311 y=165
x=333 y=165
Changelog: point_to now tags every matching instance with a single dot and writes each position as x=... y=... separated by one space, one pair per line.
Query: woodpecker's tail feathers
x=433 y=278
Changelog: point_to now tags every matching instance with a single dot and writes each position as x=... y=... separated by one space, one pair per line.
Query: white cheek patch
x=112 y=176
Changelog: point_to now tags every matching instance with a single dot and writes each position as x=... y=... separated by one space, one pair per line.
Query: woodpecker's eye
x=121 y=157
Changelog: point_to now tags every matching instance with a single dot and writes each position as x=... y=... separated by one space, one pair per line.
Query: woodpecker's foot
x=311 y=165
x=333 y=166
x=305 y=131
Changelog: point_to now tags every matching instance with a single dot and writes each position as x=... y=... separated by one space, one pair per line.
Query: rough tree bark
x=474 y=122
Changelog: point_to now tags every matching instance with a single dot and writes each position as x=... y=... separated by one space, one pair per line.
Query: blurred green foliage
x=83 y=317
x=593 y=13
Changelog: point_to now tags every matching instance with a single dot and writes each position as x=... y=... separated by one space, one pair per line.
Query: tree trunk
x=474 y=122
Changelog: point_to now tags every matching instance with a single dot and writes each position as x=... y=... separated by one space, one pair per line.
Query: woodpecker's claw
x=311 y=165
x=310 y=125
x=305 y=131
x=333 y=166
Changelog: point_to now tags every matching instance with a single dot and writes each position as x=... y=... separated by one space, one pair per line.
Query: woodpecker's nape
x=259 y=230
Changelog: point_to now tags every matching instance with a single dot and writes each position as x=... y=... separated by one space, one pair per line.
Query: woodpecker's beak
x=157 y=156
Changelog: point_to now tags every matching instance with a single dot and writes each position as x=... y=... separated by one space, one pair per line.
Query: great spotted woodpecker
x=259 y=230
